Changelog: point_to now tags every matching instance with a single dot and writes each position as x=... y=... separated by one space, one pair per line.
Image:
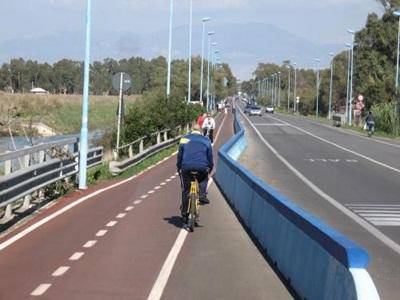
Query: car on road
x=247 y=108
x=255 y=111
x=269 y=109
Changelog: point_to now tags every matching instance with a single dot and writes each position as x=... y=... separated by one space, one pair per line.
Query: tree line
x=375 y=59
x=66 y=76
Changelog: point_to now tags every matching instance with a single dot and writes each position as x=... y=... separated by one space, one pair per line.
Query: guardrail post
x=130 y=151
x=42 y=156
x=165 y=136
x=8 y=166
x=158 y=138
x=26 y=204
x=27 y=159
x=141 y=146
x=8 y=215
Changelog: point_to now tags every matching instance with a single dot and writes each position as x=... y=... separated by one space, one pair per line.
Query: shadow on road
x=175 y=220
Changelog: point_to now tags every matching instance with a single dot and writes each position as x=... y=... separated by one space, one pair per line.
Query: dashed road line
x=172 y=177
x=157 y=187
x=121 y=215
x=60 y=271
x=76 y=256
x=137 y=202
x=41 y=289
x=163 y=183
x=111 y=223
x=144 y=196
x=101 y=232
x=150 y=192
x=89 y=244
x=129 y=208
x=168 y=180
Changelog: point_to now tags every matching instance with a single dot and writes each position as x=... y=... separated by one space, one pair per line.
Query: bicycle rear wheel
x=192 y=212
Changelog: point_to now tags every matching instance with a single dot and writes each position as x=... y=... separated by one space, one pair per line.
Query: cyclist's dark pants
x=210 y=135
x=186 y=179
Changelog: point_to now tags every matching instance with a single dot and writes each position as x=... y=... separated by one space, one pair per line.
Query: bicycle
x=194 y=197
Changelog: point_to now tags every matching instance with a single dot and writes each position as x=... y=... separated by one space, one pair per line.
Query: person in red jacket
x=200 y=120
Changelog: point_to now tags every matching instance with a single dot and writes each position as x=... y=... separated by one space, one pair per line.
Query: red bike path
x=115 y=241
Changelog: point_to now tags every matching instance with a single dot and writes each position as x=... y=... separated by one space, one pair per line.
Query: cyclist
x=208 y=127
x=370 y=122
x=195 y=154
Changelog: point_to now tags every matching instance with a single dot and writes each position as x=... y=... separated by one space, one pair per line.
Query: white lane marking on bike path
x=163 y=276
x=41 y=289
x=363 y=223
x=121 y=215
x=60 y=271
x=111 y=223
x=101 y=232
x=129 y=208
x=89 y=244
x=77 y=256
x=137 y=202
x=339 y=146
x=45 y=220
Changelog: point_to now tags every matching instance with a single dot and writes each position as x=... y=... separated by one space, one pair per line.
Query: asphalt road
x=127 y=242
x=350 y=181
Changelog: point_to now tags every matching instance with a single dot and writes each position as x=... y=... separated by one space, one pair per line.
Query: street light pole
x=211 y=33
x=295 y=87
x=288 y=99
x=397 y=14
x=317 y=101
x=204 y=20
x=171 y=12
x=279 y=89
x=190 y=52
x=330 y=88
x=85 y=102
x=352 y=72
x=348 y=83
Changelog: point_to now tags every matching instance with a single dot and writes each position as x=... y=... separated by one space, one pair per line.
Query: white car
x=255 y=111
x=269 y=110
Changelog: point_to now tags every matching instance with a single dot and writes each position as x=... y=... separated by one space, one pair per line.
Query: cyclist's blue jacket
x=195 y=152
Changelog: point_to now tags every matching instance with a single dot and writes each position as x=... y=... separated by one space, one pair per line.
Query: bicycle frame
x=193 y=207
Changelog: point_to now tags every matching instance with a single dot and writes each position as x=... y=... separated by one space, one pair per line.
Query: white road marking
x=41 y=289
x=356 y=218
x=374 y=205
x=89 y=244
x=176 y=173
x=120 y=216
x=129 y=208
x=162 y=183
x=76 y=256
x=168 y=180
x=173 y=177
x=219 y=129
x=163 y=276
x=150 y=192
x=137 y=202
x=270 y=124
x=101 y=232
x=144 y=196
x=341 y=147
x=60 y=271
x=38 y=224
x=379 y=214
x=157 y=187
x=111 y=223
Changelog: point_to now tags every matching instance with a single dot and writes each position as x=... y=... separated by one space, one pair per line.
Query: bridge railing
x=137 y=152
x=28 y=171
x=316 y=260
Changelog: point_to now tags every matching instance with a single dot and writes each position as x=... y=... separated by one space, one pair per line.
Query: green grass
x=101 y=172
x=63 y=112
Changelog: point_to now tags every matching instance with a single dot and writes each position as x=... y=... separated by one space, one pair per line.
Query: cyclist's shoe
x=204 y=200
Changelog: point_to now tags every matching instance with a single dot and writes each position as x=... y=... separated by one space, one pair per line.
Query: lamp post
x=204 y=20
x=348 y=83
x=279 y=89
x=190 y=52
x=330 y=88
x=295 y=87
x=317 y=100
x=288 y=99
x=352 y=32
x=210 y=34
x=397 y=14
x=171 y=12
x=85 y=102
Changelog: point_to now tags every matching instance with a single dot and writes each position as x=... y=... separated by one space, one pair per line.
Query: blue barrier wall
x=316 y=259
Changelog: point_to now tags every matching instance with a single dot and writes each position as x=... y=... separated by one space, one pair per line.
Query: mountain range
x=242 y=45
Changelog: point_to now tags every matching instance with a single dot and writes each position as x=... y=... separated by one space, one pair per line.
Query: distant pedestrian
x=200 y=120
x=208 y=127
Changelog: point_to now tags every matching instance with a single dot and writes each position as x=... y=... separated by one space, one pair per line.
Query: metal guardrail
x=163 y=141
x=40 y=166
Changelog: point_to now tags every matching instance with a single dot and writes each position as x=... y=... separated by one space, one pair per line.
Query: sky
x=319 y=21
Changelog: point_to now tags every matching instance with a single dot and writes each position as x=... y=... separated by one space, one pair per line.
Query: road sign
x=126 y=81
